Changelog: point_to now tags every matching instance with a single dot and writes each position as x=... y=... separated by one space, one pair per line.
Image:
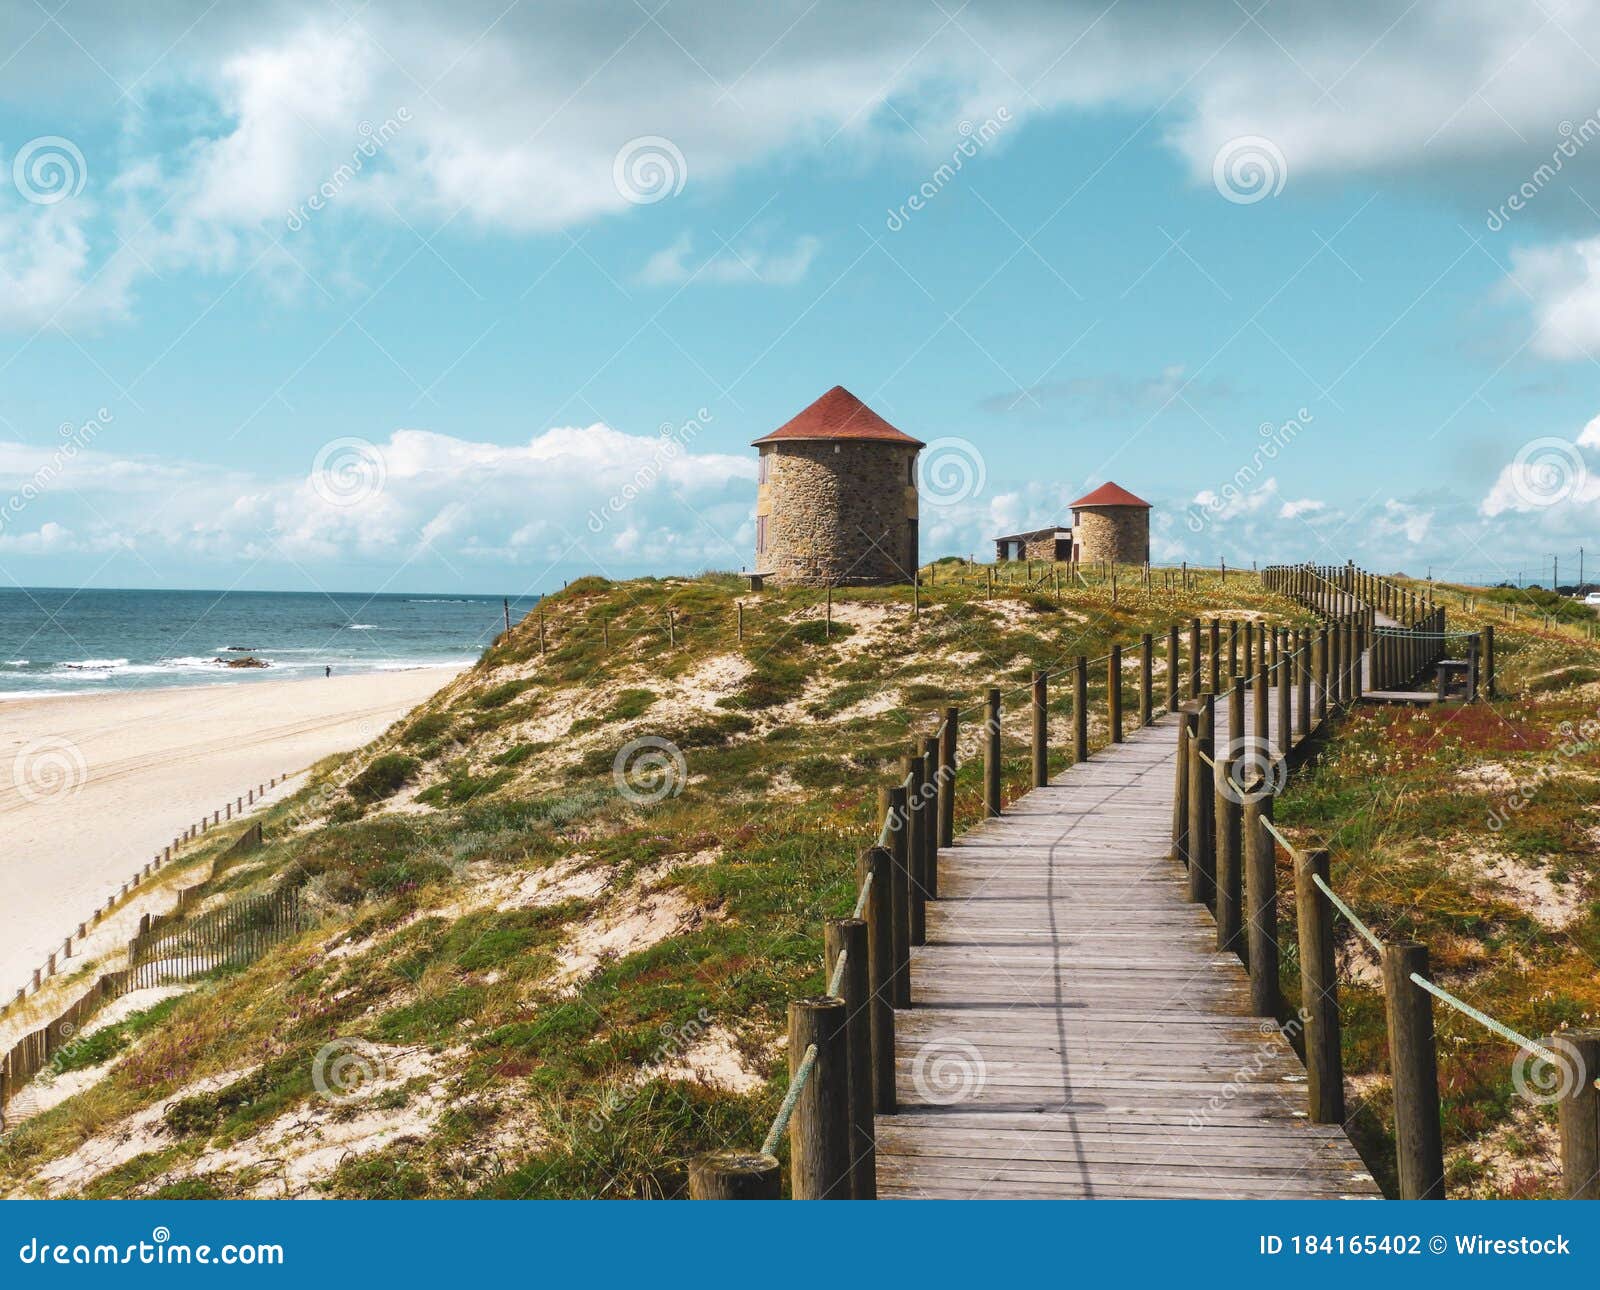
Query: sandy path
x=92 y=786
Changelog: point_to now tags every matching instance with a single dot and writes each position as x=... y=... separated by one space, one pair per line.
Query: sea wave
x=15 y=662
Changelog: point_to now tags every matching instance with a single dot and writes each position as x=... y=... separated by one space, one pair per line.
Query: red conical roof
x=838 y=414
x=1109 y=494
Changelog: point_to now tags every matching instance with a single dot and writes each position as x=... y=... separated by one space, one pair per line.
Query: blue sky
x=438 y=372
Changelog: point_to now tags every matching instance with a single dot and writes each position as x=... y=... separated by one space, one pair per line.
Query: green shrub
x=384 y=777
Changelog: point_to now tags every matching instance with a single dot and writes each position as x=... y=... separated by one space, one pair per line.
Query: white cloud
x=590 y=495
x=517 y=114
x=1300 y=506
x=745 y=265
x=1561 y=284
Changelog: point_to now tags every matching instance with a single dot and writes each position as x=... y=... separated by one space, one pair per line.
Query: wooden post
x=1285 y=735
x=847 y=937
x=819 y=1132
x=1580 y=1113
x=930 y=816
x=892 y=806
x=1147 y=707
x=505 y=604
x=1259 y=710
x=947 y=776
x=1214 y=663
x=1080 y=709
x=1488 y=660
x=1413 y=1068
x=1261 y=897
x=1041 y=729
x=1114 y=692
x=879 y=864
x=1319 y=1003
x=735 y=1175
x=1229 y=844
x=1302 y=669
x=1172 y=668
x=1194 y=658
x=1321 y=644
x=917 y=816
x=991 y=753
x=1188 y=720
x=1202 y=835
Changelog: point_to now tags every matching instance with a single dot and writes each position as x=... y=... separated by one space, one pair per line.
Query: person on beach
x=327 y=671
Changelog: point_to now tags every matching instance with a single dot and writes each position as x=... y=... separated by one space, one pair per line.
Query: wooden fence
x=167 y=949
x=841 y=1044
x=57 y=959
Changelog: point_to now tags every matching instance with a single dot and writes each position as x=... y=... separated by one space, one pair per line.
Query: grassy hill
x=561 y=907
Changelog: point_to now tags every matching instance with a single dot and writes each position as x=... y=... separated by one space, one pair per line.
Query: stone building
x=836 y=498
x=1108 y=524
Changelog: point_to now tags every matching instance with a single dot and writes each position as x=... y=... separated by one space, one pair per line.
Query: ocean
x=59 y=641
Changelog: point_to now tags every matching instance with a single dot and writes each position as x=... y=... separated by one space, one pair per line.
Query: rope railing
x=868 y=974
x=791 y=1098
x=1227 y=839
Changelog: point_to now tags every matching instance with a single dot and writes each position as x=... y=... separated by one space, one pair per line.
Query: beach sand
x=145 y=764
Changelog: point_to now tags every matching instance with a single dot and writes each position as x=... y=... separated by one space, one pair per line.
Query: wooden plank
x=1074 y=1030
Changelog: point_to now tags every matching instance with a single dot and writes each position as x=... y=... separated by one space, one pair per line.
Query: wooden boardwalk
x=1076 y=1033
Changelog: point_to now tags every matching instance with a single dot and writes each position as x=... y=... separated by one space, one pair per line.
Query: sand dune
x=92 y=786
